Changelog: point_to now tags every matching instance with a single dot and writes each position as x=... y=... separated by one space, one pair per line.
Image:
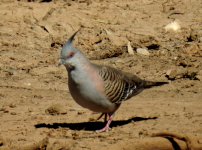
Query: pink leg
x=105 y=119
x=106 y=128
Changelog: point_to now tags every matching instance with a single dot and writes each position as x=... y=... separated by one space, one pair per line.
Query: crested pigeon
x=99 y=88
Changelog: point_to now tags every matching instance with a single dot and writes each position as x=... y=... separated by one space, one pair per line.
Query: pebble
x=130 y=49
x=175 y=74
x=173 y=26
x=55 y=109
x=178 y=73
x=143 y=51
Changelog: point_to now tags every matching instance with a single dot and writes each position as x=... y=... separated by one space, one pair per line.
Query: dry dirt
x=36 y=109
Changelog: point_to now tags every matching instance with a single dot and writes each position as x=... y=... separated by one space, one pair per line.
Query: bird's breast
x=87 y=89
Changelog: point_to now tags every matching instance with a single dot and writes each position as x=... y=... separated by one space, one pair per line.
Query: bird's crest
x=68 y=46
x=69 y=42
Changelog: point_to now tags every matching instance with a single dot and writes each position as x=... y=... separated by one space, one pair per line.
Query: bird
x=99 y=88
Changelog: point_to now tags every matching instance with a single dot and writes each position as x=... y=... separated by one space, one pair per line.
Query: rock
x=178 y=73
x=171 y=74
x=173 y=26
x=117 y=41
x=174 y=74
x=130 y=49
x=55 y=109
x=143 y=51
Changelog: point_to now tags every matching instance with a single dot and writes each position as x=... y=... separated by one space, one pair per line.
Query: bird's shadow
x=91 y=126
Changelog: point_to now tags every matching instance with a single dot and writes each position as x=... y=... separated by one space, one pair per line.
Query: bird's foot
x=105 y=129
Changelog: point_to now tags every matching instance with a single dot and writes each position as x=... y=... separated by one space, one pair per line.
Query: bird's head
x=69 y=55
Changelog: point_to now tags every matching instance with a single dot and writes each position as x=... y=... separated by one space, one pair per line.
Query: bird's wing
x=119 y=86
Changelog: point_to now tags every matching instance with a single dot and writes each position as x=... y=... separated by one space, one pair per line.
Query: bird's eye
x=71 y=54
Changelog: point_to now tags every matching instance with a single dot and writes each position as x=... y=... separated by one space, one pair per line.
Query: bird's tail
x=149 y=84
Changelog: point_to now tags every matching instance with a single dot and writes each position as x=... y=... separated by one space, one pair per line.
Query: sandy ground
x=36 y=109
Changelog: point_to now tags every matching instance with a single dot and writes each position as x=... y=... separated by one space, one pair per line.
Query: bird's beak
x=67 y=65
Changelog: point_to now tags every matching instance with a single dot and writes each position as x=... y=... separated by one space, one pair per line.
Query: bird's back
x=119 y=86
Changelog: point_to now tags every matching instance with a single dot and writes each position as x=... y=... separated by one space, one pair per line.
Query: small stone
x=174 y=74
x=143 y=51
x=130 y=49
x=55 y=109
x=178 y=73
x=173 y=26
